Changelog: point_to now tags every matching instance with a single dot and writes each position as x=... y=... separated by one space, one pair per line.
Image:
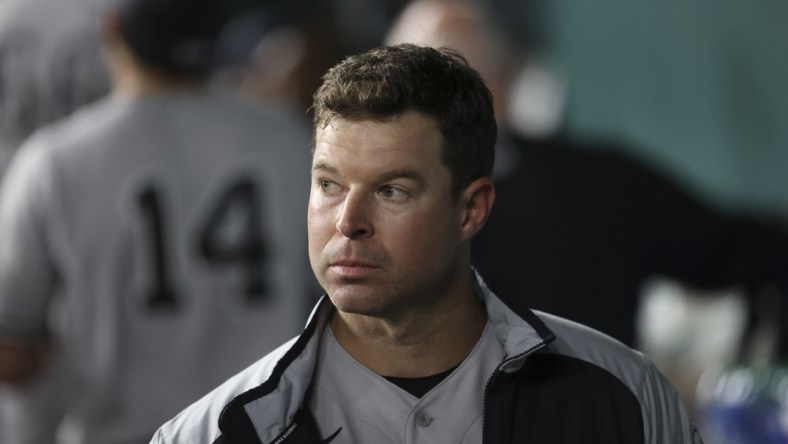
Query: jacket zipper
x=495 y=373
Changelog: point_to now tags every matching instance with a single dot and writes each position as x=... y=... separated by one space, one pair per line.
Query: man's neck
x=427 y=342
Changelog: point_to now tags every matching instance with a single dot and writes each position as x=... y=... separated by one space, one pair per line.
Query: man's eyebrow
x=402 y=174
x=322 y=166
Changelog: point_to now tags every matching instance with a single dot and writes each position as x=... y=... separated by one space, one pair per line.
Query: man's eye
x=327 y=185
x=392 y=193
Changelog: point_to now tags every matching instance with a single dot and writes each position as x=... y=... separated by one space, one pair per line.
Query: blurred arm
x=19 y=364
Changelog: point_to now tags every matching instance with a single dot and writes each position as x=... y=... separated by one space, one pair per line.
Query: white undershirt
x=369 y=408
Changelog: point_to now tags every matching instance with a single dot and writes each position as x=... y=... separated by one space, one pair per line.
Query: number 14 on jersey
x=230 y=235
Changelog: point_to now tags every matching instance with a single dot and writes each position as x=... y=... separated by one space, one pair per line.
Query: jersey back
x=162 y=241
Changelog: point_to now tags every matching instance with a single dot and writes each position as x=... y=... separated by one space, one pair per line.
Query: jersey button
x=423 y=419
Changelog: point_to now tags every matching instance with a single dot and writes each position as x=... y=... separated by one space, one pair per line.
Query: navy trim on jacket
x=234 y=422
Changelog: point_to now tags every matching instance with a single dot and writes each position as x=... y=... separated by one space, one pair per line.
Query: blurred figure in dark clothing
x=587 y=225
x=287 y=64
x=579 y=226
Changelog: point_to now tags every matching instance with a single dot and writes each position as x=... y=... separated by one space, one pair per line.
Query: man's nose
x=354 y=218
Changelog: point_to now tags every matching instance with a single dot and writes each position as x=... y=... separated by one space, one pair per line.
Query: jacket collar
x=268 y=410
x=519 y=333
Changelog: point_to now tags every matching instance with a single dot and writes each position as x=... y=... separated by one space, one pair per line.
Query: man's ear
x=476 y=201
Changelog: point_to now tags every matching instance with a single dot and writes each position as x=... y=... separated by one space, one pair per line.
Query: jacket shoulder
x=199 y=422
x=665 y=417
x=585 y=343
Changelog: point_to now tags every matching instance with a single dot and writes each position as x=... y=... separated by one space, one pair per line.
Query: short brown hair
x=388 y=81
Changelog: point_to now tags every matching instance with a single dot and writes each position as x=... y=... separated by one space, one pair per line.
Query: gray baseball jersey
x=161 y=242
x=348 y=396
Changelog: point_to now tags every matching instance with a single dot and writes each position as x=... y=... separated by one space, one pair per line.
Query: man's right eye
x=326 y=185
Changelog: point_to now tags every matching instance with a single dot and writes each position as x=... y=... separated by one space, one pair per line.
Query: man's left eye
x=393 y=193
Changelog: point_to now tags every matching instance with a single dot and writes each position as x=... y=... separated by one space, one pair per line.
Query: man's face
x=384 y=230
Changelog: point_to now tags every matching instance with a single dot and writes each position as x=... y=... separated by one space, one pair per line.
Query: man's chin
x=355 y=301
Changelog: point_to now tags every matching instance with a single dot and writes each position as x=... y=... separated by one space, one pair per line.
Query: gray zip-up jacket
x=560 y=382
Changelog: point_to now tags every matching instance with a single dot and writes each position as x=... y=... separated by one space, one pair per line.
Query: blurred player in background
x=50 y=65
x=153 y=242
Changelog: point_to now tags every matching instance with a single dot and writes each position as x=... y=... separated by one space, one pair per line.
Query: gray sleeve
x=665 y=418
x=158 y=438
x=27 y=273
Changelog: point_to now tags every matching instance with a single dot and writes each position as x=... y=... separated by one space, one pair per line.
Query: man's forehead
x=408 y=146
x=411 y=120
x=379 y=166
x=407 y=132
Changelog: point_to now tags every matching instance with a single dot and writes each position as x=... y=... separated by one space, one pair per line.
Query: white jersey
x=162 y=242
